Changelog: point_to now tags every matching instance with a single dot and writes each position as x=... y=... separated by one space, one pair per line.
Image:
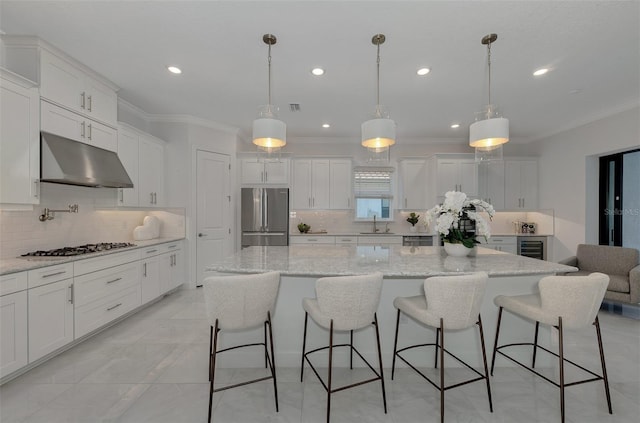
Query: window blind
x=373 y=182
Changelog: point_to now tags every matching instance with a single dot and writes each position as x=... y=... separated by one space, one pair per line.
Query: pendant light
x=490 y=130
x=269 y=133
x=379 y=133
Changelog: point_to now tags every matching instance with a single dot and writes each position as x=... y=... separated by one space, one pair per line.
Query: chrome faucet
x=374 y=224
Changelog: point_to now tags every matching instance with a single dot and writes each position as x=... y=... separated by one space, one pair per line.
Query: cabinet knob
x=200 y=235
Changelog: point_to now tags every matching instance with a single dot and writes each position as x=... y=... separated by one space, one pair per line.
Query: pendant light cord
x=378 y=112
x=489 y=63
x=269 y=66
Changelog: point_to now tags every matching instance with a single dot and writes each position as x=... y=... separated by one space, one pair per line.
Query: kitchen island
x=404 y=270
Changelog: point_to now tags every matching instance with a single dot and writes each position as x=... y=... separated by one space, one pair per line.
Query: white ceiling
x=592 y=48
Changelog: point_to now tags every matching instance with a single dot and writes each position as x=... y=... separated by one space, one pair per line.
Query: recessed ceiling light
x=423 y=71
x=326 y=125
x=174 y=69
x=317 y=71
x=540 y=72
x=455 y=125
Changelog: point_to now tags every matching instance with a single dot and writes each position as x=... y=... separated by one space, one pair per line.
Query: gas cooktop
x=79 y=250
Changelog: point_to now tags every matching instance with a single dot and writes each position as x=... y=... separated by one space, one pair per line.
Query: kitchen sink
x=376 y=233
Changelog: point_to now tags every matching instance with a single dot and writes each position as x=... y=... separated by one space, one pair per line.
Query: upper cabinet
x=64 y=81
x=261 y=172
x=60 y=121
x=521 y=184
x=413 y=185
x=19 y=140
x=452 y=172
x=311 y=184
x=491 y=183
x=321 y=184
x=143 y=158
x=340 y=190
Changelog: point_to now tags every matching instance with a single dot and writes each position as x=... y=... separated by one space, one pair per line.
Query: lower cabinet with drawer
x=105 y=295
x=98 y=313
x=50 y=317
x=311 y=240
x=506 y=244
x=13 y=331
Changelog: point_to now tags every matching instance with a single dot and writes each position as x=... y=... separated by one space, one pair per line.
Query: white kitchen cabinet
x=373 y=240
x=13 y=332
x=259 y=172
x=50 y=317
x=313 y=240
x=128 y=154
x=311 y=184
x=143 y=158
x=59 y=121
x=19 y=140
x=521 y=184
x=321 y=184
x=457 y=175
x=63 y=80
x=491 y=183
x=150 y=274
x=507 y=244
x=341 y=178
x=171 y=267
x=413 y=185
x=150 y=172
x=105 y=288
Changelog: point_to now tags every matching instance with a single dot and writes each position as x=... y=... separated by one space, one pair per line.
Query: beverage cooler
x=533 y=246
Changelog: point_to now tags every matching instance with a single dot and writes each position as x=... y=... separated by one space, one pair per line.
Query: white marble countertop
x=21 y=264
x=393 y=261
x=297 y=233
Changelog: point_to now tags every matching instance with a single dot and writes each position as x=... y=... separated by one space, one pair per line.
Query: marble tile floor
x=152 y=367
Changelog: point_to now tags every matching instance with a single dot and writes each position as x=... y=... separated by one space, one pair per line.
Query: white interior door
x=213 y=241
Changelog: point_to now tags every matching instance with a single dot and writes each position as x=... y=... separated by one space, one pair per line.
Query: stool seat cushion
x=240 y=301
x=350 y=301
x=576 y=299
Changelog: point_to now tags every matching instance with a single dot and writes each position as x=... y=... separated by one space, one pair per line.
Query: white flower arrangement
x=456 y=208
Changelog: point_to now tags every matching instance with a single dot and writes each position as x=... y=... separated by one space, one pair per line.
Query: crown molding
x=185 y=119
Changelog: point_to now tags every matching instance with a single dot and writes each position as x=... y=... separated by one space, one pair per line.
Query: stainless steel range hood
x=64 y=161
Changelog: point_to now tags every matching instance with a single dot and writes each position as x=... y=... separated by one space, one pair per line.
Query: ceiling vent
x=294 y=107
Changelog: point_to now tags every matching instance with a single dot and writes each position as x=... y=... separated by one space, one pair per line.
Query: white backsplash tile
x=22 y=231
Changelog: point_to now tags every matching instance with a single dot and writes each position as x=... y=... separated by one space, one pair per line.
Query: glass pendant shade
x=378 y=133
x=489 y=132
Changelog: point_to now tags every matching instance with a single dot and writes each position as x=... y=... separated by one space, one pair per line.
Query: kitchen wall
x=21 y=231
x=568 y=179
x=341 y=221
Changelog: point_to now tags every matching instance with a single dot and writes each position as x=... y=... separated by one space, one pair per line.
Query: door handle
x=200 y=235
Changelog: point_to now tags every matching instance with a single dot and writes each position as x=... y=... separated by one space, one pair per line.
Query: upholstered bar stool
x=449 y=303
x=564 y=302
x=344 y=303
x=236 y=303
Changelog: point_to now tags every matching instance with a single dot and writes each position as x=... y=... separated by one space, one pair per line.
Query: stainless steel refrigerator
x=265 y=216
